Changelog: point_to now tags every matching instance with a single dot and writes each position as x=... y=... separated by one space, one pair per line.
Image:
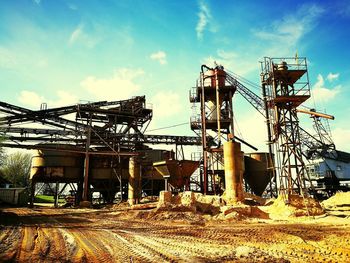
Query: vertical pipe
x=204 y=175
x=218 y=106
x=230 y=104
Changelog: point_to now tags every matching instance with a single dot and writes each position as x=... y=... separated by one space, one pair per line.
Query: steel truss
x=286 y=86
x=114 y=129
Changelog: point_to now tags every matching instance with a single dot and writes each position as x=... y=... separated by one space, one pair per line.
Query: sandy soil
x=121 y=234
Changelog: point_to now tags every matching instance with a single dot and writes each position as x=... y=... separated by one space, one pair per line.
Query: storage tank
x=257 y=174
x=210 y=77
x=102 y=168
x=53 y=165
x=214 y=78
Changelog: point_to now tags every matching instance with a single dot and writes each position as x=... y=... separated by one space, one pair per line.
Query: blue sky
x=61 y=52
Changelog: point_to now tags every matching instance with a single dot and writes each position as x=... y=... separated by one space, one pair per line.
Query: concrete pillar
x=86 y=177
x=233 y=172
x=134 y=188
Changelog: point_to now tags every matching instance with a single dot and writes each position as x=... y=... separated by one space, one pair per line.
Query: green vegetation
x=16 y=168
x=46 y=199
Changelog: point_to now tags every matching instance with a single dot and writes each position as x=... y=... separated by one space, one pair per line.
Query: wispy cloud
x=332 y=76
x=323 y=94
x=76 y=34
x=72 y=6
x=159 y=56
x=37 y=2
x=204 y=18
x=121 y=85
x=284 y=34
x=81 y=36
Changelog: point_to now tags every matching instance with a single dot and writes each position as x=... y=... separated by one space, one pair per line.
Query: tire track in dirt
x=27 y=243
x=80 y=236
x=90 y=246
x=9 y=239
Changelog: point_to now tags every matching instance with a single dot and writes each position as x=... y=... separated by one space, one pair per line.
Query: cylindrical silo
x=233 y=172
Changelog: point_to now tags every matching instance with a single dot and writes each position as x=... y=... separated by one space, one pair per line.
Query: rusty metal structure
x=214 y=124
x=285 y=85
x=92 y=141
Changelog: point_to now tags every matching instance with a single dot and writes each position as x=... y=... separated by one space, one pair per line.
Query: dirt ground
x=119 y=234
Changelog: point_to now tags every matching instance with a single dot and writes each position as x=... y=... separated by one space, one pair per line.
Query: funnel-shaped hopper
x=178 y=171
x=257 y=174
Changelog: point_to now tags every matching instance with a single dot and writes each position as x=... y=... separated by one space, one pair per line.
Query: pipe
x=218 y=106
x=244 y=142
x=205 y=66
x=317 y=114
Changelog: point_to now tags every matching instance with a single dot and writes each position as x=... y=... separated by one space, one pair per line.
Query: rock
x=188 y=198
x=85 y=204
x=164 y=198
x=243 y=251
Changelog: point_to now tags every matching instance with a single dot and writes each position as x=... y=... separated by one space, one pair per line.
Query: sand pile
x=294 y=206
x=210 y=206
x=340 y=199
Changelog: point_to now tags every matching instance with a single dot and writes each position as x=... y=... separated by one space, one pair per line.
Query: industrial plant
x=101 y=149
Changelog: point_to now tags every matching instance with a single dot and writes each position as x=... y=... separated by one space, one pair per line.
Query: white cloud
x=33 y=100
x=63 y=98
x=331 y=76
x=321 y=93
x=30 y=99
x=159 y=56
x=121 y=85
x=204 y=18
x=341 y=138
x=37 y=2
x=284 y=34
x=166 y=104
x=253 y=128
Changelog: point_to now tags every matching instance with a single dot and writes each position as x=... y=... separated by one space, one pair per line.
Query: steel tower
x=285 y=85
x=214 y=124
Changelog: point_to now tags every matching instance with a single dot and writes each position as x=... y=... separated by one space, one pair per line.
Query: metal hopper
x=179 y=171
x=257 y=174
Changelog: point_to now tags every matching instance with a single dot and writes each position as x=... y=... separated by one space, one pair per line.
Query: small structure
x=4 y=183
